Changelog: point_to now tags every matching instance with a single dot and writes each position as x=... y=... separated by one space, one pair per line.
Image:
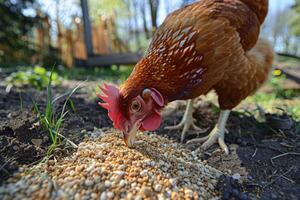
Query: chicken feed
x=104 y=168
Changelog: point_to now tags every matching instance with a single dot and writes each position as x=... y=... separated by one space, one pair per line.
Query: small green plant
x=294 y=111
x=50 y=120
x=277 y=82
x=38 y=77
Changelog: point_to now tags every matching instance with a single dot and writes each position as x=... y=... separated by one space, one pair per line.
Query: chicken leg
x=187 y=122
x=217 y=134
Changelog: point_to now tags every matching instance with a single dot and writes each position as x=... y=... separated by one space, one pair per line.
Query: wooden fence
x=70 y=41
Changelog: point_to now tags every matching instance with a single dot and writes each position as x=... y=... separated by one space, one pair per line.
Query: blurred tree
x=144 y=18
x=280 y=28
x=115 y=15
x=14 y=29
x=136 y=24
x=154 y=4
x=130 y=16
x=295 y=25
x=105 y=8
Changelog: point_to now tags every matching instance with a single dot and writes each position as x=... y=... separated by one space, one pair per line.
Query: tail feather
x=261 y=57
x=259 y=7
x=246 y=16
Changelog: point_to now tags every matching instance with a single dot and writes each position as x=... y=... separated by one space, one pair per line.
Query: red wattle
x=152 y=122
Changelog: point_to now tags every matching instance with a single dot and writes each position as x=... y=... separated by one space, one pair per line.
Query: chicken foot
x=187 y=122
x=217 y=134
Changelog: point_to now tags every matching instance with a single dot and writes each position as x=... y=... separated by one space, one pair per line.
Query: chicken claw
x=216 y=135
x=187 y=122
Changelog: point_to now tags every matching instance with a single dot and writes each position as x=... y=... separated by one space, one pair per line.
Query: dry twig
x=254 y=153
x=285 y=154
x=280 y=176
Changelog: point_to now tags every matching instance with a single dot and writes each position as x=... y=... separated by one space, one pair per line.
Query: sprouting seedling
x=49 y=120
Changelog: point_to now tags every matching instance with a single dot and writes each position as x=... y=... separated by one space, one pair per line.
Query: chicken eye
x=135 y=106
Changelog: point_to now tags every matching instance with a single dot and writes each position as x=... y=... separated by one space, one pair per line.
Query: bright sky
x=69 y=6
x=279 y=4
x=274 y=5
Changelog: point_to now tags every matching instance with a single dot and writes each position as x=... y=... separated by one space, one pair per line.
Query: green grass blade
x=49 y=106
x=67 y=99
x=72 y=105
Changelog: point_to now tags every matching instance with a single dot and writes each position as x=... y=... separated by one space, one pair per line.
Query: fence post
x=87 y=28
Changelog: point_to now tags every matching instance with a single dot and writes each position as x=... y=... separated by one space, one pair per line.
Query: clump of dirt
x=157 y=168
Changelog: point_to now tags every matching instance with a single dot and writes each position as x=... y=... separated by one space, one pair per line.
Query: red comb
x=110 y=97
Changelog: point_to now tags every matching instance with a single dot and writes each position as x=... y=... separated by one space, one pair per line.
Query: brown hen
x=208 y=45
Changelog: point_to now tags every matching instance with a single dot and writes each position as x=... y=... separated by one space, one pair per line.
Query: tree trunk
x=154 y=9
x=87 y=27
x=145 y=26
x=129 y=22
x=136 y=26
x=287 y=43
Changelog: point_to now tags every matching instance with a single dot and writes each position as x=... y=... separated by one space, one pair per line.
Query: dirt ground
x=267 y=159
x=264 y=158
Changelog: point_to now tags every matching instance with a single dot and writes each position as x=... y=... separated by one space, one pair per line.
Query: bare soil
x=265 y=154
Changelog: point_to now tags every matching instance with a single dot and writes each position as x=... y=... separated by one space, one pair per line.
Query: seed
x=157 y=188
x=122 y=183
x=173 y=182
x=103 y=196
x=77 y=196
x=94 y=195
x=188 y=193
x=146 y=191
x=88 y=183
x=144 y=173
x=110 y=195
x=107 y=183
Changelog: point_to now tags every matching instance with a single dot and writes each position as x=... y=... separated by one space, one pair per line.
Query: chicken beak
x=129 y=137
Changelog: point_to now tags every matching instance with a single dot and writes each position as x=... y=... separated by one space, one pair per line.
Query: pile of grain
x=105 y=168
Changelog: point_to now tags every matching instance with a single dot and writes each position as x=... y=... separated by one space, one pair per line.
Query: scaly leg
x=217 y=134
x=187 y=122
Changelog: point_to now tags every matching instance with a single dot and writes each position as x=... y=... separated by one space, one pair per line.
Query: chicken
x=207 y=45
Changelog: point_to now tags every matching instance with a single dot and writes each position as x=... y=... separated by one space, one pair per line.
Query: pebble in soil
x=105 y=168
